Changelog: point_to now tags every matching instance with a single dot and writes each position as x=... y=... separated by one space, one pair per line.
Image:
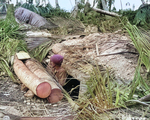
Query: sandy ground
x=15 y=105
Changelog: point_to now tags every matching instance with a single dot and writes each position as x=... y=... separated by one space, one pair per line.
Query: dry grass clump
x=99 y=97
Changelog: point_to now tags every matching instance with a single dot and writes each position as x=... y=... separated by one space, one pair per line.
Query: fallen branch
x=106 y=12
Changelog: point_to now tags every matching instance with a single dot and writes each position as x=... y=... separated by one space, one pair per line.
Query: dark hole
x=72 y=86
x=27 y=22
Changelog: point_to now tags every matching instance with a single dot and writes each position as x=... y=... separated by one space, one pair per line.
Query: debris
x=40 y=87
x=29 y=17
x=22 y=55
x=35 y=67
x=106 y=12
x=97 y=49
x=38 y=34
x=29 y=93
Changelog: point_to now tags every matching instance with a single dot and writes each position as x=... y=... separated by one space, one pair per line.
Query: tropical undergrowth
x=104 y=94
x=10 y=43
x=130 y=14
x=47 y=11
x=41 y=51
x=142 y=17
x=103 y=22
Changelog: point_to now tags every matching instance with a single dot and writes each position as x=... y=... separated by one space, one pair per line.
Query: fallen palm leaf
x=32 y=18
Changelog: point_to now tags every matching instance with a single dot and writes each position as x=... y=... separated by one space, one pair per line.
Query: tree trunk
x=143 y=2
x=57 y=5
x=121 y=5
x=104 y=4
x=10 y=13
x=75 y=11
x=106 y=12
x=110 y=3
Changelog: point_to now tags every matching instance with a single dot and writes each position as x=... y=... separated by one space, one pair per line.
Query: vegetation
x=103 y=93
x=47 y=11
x=99 y=98
x=142 y=17
x=9 y=44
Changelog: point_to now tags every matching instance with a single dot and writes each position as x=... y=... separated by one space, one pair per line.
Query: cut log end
x=43 y=90
x=55 y=96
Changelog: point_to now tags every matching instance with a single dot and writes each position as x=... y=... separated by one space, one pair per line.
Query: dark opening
x=72 y=86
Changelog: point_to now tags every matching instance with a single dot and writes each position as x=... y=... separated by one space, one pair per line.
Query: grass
x=41 y=51
x=99 y=97
x=104 y=94
x=141 y=41
x=9 y=45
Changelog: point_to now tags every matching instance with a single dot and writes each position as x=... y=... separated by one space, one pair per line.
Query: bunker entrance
x=72 y=86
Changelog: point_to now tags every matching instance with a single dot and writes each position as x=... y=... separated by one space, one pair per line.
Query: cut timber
x=39 y=87
x=106 y=12
x=36 y=67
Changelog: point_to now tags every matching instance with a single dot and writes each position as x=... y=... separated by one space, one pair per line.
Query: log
x=37 y=68
x=38 y=86
x=106 y=12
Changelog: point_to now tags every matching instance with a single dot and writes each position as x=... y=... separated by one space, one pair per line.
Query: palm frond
x=32 y=18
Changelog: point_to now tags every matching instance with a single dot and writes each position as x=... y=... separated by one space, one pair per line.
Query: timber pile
x=110 y=50
x=34 y=76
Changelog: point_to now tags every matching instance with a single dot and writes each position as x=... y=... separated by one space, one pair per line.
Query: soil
x=15 y=105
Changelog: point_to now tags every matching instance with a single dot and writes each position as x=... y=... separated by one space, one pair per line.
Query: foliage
x=103 y=23
x=9 y=45
x=8 y=29
x=130 y=14
x=141 y=42
x=104 y=94
x=41 y=51
x=47 y=11
x=99 y=97
x=142 y=17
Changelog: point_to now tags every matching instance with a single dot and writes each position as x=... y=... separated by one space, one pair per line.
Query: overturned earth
x=112 y=51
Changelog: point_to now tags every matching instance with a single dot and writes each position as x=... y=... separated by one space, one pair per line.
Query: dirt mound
x=108 y=50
